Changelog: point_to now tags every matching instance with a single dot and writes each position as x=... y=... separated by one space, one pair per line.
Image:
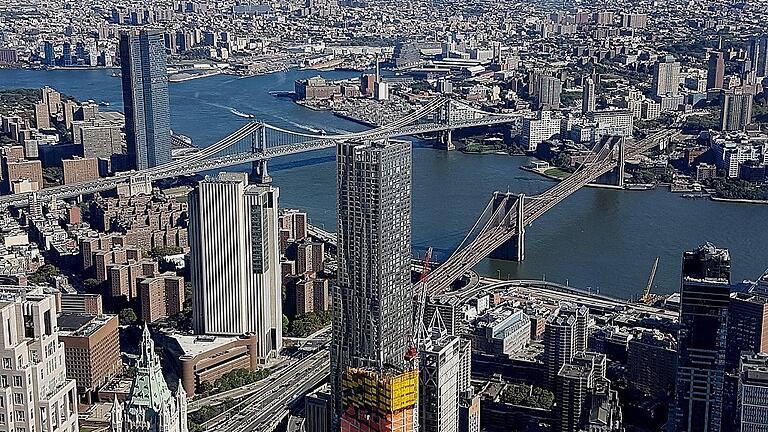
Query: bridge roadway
x=494 y=236
x=209 y=158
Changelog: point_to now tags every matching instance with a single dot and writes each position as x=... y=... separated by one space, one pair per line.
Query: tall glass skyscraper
x=704 y=299
x=145 y=98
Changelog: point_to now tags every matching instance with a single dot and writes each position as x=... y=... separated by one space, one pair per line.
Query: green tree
x=127 y=316
x=164 y=251
x=43 y=274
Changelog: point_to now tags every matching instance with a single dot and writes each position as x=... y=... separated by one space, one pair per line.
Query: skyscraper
x=565 y=335
x=372 y=302
x=558 y=345
x=66 y=54
x=48 y=55
x=234 y=260
x=704 y=298
x=666 y=77
x=752 y=405
x=35 y=393
x=150 y=406
x=758 y=54
x=715 y=70
x=441 y=379
x=572 y=389
x=747 y=326
x=588 y=99
x=145 y=98
x=736 y=108
x=548 y=96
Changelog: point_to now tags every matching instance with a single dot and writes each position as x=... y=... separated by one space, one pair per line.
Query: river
x=598 y=238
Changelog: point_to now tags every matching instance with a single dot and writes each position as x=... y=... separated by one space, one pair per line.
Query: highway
x=559 y=292
x=264 y=410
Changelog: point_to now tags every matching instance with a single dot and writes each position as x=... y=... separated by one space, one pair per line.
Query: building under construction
x=373 y=387
x=378 y=401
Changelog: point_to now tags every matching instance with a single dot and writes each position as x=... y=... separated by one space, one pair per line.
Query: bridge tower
x=514 y=248
x=445 y=138
x=615 y=176
x=259 y=172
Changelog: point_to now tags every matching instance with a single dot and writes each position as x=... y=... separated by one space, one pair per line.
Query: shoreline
x=190 y=77
x=602 y=186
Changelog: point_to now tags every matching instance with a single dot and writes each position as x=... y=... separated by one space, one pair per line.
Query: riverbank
x=737 y=200
x=189 y=76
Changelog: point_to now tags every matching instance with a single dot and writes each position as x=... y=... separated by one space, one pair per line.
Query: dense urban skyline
x=153 y=280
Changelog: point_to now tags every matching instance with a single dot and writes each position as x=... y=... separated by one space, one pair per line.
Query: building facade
x=704 y=298
x=234 y=260
x=752 y=402
x=371 y=303
x=36 y=394
x=736 y=108
x=150 y=405
x=92 y=350
x=145 y=98
x=441 y=380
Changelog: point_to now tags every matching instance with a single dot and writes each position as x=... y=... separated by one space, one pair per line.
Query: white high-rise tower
x=235 y=261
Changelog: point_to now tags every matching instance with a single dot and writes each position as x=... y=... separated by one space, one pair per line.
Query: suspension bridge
x=506 y=215
x=257 y=142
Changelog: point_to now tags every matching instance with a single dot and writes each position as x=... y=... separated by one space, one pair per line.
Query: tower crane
x=421 y=299
x=647 y=292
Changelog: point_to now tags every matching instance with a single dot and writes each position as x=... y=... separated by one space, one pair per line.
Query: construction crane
x=647 y=293
x=421 y=299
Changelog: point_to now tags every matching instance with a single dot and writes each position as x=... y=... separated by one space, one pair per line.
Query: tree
x=163 y=251
x=43 y=274
x=90 y=282
x=127 y=316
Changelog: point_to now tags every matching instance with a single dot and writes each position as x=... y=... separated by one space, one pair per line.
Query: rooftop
x=81 y=325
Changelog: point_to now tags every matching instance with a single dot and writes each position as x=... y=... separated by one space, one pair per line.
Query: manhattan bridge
x=499 y=230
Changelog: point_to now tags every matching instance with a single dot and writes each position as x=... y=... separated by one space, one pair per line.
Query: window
x=20 y=416
x=6 y=363
x=17 y=381
x=47 y=323
x=4 y=380
x=2 y=418
x=18 y=399
x=29 y=326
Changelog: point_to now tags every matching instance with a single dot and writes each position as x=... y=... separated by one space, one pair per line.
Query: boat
x=241 y=114
x=104 y=103
x=116 y=75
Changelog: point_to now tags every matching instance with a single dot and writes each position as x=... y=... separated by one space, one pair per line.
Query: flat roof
x=81 y=325
x=194 y=345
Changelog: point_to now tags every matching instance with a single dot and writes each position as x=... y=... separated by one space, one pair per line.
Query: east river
x=597 y=238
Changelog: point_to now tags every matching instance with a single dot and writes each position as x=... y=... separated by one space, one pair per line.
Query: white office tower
x=150 y=406
x=36 y=394
x=443 y=359
x=234 y=260
x=589 y=96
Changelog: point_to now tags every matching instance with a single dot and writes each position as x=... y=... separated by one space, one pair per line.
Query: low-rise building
x=203 y=359
x=501 y=332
